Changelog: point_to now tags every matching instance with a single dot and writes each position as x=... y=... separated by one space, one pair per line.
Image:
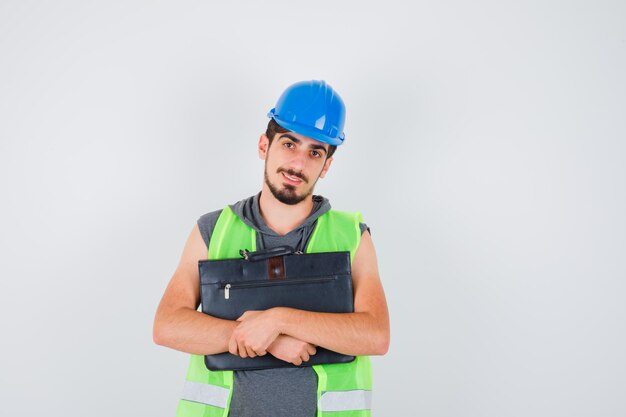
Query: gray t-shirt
x=280 y=392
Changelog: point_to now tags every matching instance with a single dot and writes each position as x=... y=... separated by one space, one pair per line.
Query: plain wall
x=484 y=147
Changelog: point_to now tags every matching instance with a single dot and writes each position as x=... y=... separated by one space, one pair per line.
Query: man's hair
x=273 y=128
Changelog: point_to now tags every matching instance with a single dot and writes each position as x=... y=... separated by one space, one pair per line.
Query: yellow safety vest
x=343 y=390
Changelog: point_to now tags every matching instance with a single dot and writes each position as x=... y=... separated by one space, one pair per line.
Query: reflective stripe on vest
x=358 y=399
x=206 y=394
x=342 y=389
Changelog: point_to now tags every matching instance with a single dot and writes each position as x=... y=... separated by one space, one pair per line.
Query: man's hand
x=254 y=334
x=290 y=349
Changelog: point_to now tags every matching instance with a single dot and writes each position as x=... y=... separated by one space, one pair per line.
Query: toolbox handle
x=261 y=255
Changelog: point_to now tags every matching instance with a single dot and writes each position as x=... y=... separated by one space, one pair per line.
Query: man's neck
x=280 y=217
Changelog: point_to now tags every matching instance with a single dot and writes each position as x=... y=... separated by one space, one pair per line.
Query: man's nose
x=298 y=162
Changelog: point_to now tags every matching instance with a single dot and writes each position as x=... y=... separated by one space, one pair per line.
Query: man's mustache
x=293 y=173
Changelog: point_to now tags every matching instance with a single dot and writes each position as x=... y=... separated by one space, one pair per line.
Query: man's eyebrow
x=288 y=136
x=298 y=141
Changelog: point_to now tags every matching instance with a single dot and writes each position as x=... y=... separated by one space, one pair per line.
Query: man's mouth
x=292 y=179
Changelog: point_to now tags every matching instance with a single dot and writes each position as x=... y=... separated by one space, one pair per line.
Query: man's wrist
x=279 y=317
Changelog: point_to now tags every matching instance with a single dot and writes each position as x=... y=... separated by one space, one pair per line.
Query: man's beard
x=287 y=195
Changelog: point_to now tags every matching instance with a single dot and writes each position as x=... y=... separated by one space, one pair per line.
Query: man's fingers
x=305 y=357
x=242 y=350
x=311 y=350
x=251 y=352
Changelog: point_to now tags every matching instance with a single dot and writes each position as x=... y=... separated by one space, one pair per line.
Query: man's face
x=293 y=163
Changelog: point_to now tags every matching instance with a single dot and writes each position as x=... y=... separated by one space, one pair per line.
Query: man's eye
x=289 y=145
x=316 y=154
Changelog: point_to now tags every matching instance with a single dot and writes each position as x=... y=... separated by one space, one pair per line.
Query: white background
x=485 y=148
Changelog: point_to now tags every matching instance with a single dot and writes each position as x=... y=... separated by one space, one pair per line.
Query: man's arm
x=177 y=323
x=364 y=332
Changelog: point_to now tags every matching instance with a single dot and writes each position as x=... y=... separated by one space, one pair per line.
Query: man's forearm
x=348 y=333
x=191 y=331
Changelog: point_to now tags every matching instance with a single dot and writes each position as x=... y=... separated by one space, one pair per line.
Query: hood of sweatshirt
x=249 y=212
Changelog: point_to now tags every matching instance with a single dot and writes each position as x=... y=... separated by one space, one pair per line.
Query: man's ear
x=326 y=166
x=264 y=144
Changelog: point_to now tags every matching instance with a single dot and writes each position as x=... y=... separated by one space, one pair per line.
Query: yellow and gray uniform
x=280 y=392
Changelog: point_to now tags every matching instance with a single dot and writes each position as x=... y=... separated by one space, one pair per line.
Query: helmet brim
x=308 y=131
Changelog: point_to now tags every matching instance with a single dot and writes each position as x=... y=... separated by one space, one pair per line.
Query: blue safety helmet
x=312 y=109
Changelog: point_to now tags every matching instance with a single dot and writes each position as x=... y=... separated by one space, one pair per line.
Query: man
x=305 y=128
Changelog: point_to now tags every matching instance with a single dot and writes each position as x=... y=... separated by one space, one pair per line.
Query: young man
x=305 y=127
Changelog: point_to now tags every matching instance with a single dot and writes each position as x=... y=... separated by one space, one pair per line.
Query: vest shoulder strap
x=336 y=231
x=230 y=235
